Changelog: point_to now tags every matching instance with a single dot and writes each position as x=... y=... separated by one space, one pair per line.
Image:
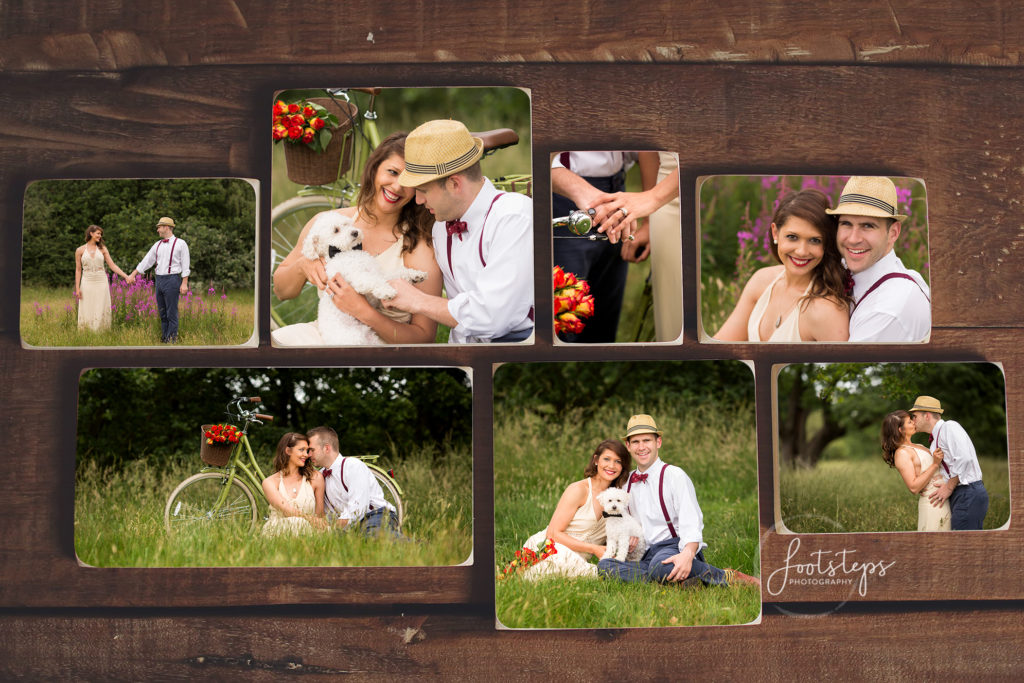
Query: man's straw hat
x=926 y=404
x=868 y=196
x=438 y=149
x=169 y=222
x=641 y=424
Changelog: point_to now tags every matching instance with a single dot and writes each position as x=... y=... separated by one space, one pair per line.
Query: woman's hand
x=347 y=299
x=314 y=271
x=938 y=455
x=600 y=550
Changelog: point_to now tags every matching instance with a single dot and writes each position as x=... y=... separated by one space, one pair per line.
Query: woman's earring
x=774 y=241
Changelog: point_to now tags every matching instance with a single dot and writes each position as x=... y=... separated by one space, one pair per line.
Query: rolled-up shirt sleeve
x=683 y=498
x=149 y=260
x=502 y=296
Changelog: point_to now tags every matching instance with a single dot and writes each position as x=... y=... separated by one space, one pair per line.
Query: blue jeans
x=650 y=567
x=969 y=505
x=599 y=263
x=168 y=288
x=377 y=522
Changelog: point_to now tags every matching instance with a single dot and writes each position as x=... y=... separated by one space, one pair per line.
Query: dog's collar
x=605 y=514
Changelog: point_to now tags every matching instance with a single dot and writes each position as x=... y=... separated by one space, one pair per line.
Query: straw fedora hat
x=868 y=196
x=926 y=404
x=169 y=222
x=641 y=424
x=437 y=149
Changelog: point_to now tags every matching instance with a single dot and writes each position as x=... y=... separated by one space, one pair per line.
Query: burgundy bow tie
x=327 y=472
x=636 y=477
x=456 y=228
x=930 y=439
x=166 y=240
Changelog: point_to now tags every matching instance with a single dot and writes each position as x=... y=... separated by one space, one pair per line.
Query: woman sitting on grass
x=577 y=526
x=805 y=298
x=295 y=490
x=918 y=467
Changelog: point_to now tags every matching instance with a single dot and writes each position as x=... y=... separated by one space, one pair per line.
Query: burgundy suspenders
x=882 y=279
x=451 y=268
x=661 y=499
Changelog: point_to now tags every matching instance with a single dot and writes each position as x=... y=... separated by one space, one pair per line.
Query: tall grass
x=119 y=522
x=207 y=316
x=536 y=457
x=866 y=495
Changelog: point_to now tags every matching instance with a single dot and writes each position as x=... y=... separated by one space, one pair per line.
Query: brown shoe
x=735 y=578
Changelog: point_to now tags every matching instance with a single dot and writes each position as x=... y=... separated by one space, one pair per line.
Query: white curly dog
x=620 y=526
x=336 y=239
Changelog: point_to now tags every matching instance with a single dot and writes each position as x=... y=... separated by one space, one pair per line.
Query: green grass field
x=119 y=523
x=49 y=318
x=536 y=457
x=866 y=495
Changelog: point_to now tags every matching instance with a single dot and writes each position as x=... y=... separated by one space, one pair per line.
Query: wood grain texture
x=83 y=35
x=177 y=89
x=260 y=646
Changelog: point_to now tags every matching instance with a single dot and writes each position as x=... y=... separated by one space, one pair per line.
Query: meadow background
x=831 y=474
x=215 y=217
x=547 y=420
x=735 y=232
x=133 y=449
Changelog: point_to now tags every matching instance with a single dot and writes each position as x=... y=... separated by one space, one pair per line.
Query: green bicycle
x=229 y=489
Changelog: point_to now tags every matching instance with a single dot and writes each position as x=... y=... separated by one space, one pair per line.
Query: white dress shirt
x=489 y=300
x=595 y=164
x=680 y=501
x=170 y=257
x=961 y=458
x=897 y=311
x=363 y=493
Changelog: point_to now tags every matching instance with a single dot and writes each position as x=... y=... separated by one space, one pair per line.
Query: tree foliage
x=156 y=414
x=216 y=217
x=634 y=385
x=821 y=403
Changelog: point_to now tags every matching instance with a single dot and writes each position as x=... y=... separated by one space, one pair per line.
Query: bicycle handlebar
x=261 y=416
x=254 y=399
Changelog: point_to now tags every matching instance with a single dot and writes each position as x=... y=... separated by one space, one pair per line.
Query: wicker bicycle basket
x=306 y=167
x=216 y=454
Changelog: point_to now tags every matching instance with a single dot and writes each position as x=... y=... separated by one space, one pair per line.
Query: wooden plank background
x=172 y=89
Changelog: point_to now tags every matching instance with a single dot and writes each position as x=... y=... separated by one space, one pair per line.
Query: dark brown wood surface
x=166 y=89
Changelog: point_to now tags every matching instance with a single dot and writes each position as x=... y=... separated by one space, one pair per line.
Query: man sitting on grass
x=664 y=500
x=351 y=493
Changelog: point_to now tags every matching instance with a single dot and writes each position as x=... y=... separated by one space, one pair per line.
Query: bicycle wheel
x=193 y=501
x=391 y=496
x=287 y=220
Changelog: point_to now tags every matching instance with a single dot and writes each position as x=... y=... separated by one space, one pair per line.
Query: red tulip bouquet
x=573 y=301
x=303 y=122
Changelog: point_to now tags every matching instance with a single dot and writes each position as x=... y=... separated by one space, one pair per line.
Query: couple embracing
x=839 y=278
x=425 y=204
x=662 y=499
x=344 y=494
x=945 y=476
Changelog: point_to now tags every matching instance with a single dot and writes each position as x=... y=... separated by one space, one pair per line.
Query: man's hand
x=639 y=249
x=131 y=278
x=633 y=540
x=406 y=298
x=183 y=290
x=940 y=495
x=683 y=562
